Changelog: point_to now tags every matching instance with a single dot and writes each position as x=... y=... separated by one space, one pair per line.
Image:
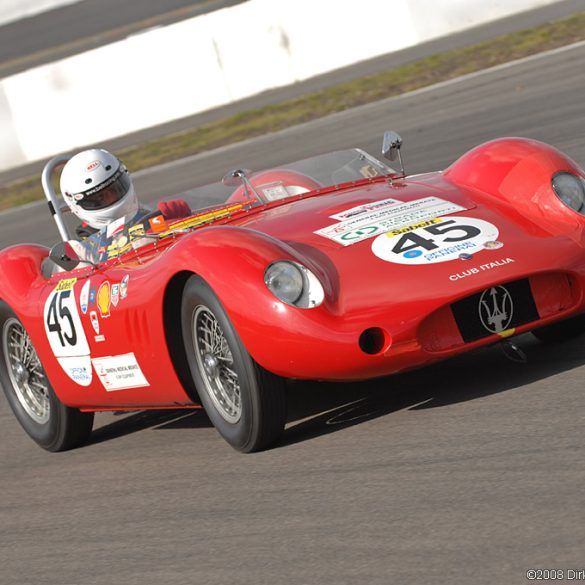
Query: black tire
x=561 y=331
x=46 y=420
x=245 y=403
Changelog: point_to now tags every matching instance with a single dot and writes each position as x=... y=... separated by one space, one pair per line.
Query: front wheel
x=37 y=408
x=245 y=403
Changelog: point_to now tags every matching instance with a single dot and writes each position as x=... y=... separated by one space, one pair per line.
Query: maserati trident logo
x=496 y=309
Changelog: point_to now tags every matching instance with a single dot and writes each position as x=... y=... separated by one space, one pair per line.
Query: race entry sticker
x=119 y=372
x=387 y=218
x=438 y=240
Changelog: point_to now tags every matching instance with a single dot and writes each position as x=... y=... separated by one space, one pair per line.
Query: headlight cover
x=570 y=189
x=294 y=284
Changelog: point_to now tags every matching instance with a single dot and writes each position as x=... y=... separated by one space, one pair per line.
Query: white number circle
x=440 y=240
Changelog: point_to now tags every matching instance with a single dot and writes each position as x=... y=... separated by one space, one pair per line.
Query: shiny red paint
x=504 y=182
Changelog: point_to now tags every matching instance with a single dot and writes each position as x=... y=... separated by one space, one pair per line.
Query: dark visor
x=107 y=193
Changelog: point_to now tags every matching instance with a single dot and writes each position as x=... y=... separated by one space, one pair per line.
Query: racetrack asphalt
x=470 y=471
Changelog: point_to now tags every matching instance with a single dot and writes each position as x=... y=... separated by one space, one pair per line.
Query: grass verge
x=408 y=77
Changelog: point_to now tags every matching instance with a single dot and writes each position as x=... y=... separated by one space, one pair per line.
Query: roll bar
x=54 y=207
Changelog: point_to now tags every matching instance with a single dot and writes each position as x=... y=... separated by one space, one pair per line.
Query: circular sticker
x=438 y=240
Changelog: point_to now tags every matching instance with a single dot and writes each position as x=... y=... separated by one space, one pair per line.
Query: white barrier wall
x=11 y=10
x=203 y=62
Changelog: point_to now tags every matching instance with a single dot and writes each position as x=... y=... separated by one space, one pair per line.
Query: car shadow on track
x=319 y=408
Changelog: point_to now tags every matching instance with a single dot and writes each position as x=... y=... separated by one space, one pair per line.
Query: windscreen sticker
x=78 y=369
x=62 y=323
x=380 y=221
x=438 y=240
x=119 y=372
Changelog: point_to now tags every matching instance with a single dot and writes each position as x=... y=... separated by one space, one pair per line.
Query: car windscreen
x=290 y=179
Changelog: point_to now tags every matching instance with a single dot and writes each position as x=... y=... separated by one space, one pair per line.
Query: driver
x=98 y=189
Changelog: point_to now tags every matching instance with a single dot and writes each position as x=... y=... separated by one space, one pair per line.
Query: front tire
x=45 y=419
x=245 y=403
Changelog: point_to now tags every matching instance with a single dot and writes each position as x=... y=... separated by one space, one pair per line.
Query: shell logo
x=93 y=165
x=103 y=299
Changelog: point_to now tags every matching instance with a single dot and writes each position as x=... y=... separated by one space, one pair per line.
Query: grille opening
x=374 y=340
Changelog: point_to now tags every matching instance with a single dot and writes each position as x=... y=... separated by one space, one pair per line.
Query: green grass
x=408 y=77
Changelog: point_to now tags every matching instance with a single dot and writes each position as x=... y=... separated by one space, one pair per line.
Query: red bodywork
x=405 y=307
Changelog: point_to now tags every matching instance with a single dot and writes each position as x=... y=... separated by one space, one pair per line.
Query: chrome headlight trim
x=294 y=284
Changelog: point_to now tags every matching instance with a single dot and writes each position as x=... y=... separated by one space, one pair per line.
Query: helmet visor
x=107 y=193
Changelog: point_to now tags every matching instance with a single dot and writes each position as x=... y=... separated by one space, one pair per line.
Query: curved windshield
x=290 y=179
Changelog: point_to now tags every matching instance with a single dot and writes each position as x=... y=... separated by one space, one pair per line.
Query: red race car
x=332 y=268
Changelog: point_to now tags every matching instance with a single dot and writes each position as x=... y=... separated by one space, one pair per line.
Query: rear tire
x=245 y=403
x=561 y=331
x=45 y=419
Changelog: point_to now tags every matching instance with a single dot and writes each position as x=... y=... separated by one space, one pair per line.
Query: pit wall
x=210 y=60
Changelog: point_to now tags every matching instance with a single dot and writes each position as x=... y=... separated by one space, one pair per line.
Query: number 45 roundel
x=65 y=332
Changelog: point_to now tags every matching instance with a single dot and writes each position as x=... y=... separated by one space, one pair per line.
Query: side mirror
x=64 y=256
x=391 y=145
x=240 y=177
x=236 y=177
x=391 y=148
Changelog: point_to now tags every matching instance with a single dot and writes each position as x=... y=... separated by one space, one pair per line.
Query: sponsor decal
x=391 y=218
x=84 y=297
x=115 y=227
x=496 y=309
x=135 y=232
x=65 y=284
x=92 y=296
x=482 y=268
x=124 y=286
x=77 y=368
x=119 y=372
x=95 y=322
x=62 y=322
x=443 y=240
x=99 y=338
x=158 y=224
x=103 y=299
x=93 y=165
x=493 y=245
x=115 y=294
x=364 y=209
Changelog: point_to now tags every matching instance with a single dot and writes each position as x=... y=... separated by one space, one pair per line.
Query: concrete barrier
x=11 y=10
x=210 y=60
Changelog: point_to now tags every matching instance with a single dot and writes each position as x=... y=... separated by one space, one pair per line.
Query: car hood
x=450 y=261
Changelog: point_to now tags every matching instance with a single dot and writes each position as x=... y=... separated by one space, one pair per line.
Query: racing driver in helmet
x=98 y=189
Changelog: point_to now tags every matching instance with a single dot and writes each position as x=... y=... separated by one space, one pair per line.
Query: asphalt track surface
x=470 y=471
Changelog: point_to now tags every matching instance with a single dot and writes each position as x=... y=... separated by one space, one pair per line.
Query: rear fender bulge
x=518 y=171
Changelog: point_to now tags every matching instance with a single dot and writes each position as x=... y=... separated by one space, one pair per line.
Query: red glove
x=174 y=209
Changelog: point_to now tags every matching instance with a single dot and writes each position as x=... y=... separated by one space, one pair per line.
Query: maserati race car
x=334 y=268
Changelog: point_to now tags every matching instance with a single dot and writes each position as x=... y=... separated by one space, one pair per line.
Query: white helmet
x=98 y=188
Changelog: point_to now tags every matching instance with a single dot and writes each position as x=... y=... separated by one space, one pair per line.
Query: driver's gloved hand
x=174 y=208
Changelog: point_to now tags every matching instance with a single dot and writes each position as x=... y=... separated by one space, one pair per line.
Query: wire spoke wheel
x=244 y=402
x=216 y=365
x=25 y=372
